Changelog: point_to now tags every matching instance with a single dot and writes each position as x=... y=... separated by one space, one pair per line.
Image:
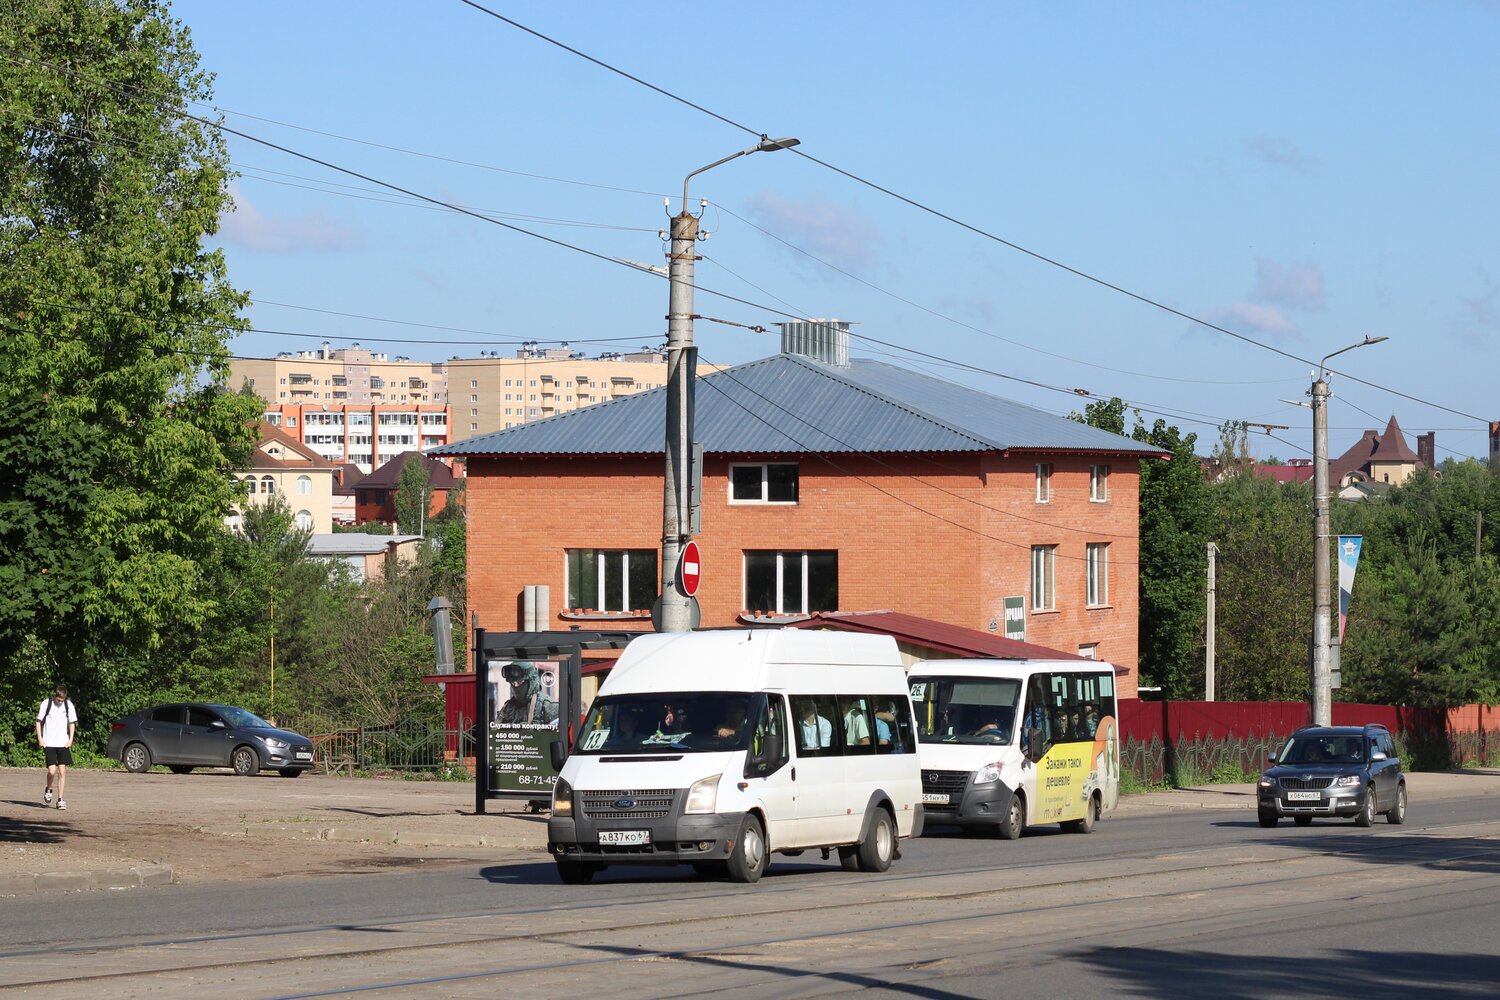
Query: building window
x=612 y=579
x=267 y=484
x=1044 y=482
x=473 y=397
x=1089 y=651
x=304 y=520
x=473 y=383
x=1099 y=483
x=1098 y=574
x=763 y=484
x=304 y=486
x=791 y=583
x=249 y=486
x=475 y=427
x=1043 y=577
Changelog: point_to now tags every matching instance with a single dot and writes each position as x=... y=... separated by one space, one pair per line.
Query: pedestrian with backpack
x=56 y=722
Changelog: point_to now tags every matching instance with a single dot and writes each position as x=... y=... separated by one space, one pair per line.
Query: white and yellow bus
x=1006 y=744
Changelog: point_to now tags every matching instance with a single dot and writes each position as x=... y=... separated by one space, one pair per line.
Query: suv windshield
x=965 y=709
x=1323 y=748
x=687 y=722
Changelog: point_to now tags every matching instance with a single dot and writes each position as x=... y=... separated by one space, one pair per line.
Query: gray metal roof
x=789 y=404
x=353 y=543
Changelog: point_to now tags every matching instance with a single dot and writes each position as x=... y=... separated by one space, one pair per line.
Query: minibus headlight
x=562 y=798
x=703 y=797
x=988 y=774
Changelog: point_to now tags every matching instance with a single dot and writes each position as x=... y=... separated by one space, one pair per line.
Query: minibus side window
x=815 y=721
x=893 y=728
x=768 y=746
x=859 y=728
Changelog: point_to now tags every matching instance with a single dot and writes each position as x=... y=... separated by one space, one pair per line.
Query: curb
x=133 y=877
x=354 y=835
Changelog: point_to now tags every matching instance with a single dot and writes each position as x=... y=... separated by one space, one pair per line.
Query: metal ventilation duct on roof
x=824 y=340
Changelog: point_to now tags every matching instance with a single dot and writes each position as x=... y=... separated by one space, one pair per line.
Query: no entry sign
x=691 y=570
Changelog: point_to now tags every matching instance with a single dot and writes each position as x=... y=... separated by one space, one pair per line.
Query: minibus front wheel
x=747 y=861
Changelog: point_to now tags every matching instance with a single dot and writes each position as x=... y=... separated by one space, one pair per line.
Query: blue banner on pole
x=1349 y=546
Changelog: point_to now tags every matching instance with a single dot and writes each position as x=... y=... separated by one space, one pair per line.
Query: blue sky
x=1302 y=175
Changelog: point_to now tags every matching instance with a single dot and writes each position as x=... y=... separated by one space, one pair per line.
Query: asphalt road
x=1186 y=904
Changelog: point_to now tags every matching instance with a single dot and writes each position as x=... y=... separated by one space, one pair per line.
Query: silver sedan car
x=188 y=735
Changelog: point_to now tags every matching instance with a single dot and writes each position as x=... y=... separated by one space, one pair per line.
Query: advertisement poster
x=523 y=723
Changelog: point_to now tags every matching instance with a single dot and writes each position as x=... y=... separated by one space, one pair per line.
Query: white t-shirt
x=55 y=722
x=856 y=727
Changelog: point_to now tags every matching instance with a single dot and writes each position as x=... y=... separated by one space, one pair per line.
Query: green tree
x=412 y=497
x=116 y=432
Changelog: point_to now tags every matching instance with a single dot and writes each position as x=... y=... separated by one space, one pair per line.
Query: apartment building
x=364 y=435
x=486 y=394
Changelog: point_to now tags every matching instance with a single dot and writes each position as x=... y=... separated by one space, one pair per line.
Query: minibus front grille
x=944 y=783
x=646 y=803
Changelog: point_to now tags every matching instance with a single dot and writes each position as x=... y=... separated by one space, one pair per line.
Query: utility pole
x=676 y=605
x=1208 y=660
x=1322 y=659
x=273 y=659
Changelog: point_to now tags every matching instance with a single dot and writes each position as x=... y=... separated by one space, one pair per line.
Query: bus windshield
x=965 y=709
x=669 y=722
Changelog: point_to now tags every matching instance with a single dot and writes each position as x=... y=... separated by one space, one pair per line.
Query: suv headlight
x=1266 y=781
x=703 y=797
x=276 y=744
x=562 y=798
x=988 y=774
x=1346 y=780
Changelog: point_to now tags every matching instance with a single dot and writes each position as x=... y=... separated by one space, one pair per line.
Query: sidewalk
x=122 y=830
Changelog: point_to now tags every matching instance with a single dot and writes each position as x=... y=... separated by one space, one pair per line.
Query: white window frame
x=1044 y=578
x=1096 y=561
x=801 y=556
x=1099 y=484
x=304 y=486
x=1044 y=482
x=267 y=485
x=304 y=520
x=765 y=485
x=601 y=575
x=1089 y=650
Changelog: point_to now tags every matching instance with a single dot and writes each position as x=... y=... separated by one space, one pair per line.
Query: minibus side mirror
x=559 y=754
x=1034 y=745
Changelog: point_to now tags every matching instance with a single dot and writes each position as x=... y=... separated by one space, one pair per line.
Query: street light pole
x=676 y=605
x=1322 y=661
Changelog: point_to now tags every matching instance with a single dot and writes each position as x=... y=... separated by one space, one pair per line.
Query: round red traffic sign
x=690 y=569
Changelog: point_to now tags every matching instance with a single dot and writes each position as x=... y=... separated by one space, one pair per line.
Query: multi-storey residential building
x=484 y=394
x=365 y=435
x=827 y=485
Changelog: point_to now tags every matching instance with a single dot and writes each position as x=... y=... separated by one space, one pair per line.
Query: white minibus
x=719 y=748
x=1009 y=743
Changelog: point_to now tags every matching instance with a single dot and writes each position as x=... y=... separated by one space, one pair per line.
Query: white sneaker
x=47 y=797
x=61 y=804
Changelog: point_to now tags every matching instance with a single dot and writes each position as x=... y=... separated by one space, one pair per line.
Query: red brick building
x=826 y=487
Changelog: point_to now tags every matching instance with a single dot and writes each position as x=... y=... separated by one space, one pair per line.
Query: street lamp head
x=771 y=145
x=1374 y=340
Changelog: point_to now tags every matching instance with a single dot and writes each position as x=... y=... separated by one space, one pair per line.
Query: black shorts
x=59 y=755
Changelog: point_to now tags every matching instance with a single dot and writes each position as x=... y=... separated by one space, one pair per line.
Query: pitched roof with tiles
x=941 y=636
x=387 y=477
x=792 y=404
x=293 y=453
x=1393 y=446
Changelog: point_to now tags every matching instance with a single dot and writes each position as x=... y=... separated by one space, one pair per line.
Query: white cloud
x=832 y=232
x=1250 y=318
x=249 y=227
x=1297 y=285
x=1278 y=153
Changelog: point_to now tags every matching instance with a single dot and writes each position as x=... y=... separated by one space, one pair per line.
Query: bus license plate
x=625 y=838
x=935 y=798
x=1303 y=796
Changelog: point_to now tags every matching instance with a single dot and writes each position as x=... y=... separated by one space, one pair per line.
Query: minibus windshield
x=685 y=722
x=977 y=710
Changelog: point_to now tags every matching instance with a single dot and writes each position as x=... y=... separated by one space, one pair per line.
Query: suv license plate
x=625 y=838
x=1303 y=796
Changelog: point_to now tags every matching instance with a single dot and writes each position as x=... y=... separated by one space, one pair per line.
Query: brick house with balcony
x=827 y=485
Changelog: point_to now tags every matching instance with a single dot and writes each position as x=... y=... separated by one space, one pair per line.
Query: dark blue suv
x=1334 y=771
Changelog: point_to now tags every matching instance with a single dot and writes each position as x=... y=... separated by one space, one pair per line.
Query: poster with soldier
x=524 y=698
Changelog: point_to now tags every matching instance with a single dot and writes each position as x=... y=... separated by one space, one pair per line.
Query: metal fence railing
x=406 y=746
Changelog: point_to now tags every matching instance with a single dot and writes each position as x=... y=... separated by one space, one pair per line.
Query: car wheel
x=1090 y=817
x=1302 y=820
x=1368 y=810
x=137 y=758
x=575 y=872
x=181 y=769
x=1267 y=817
x=1015 y=819
x=245 y=761
x=879 y=848
x=290 y=772
x=1397 y=815
x=747 y=861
